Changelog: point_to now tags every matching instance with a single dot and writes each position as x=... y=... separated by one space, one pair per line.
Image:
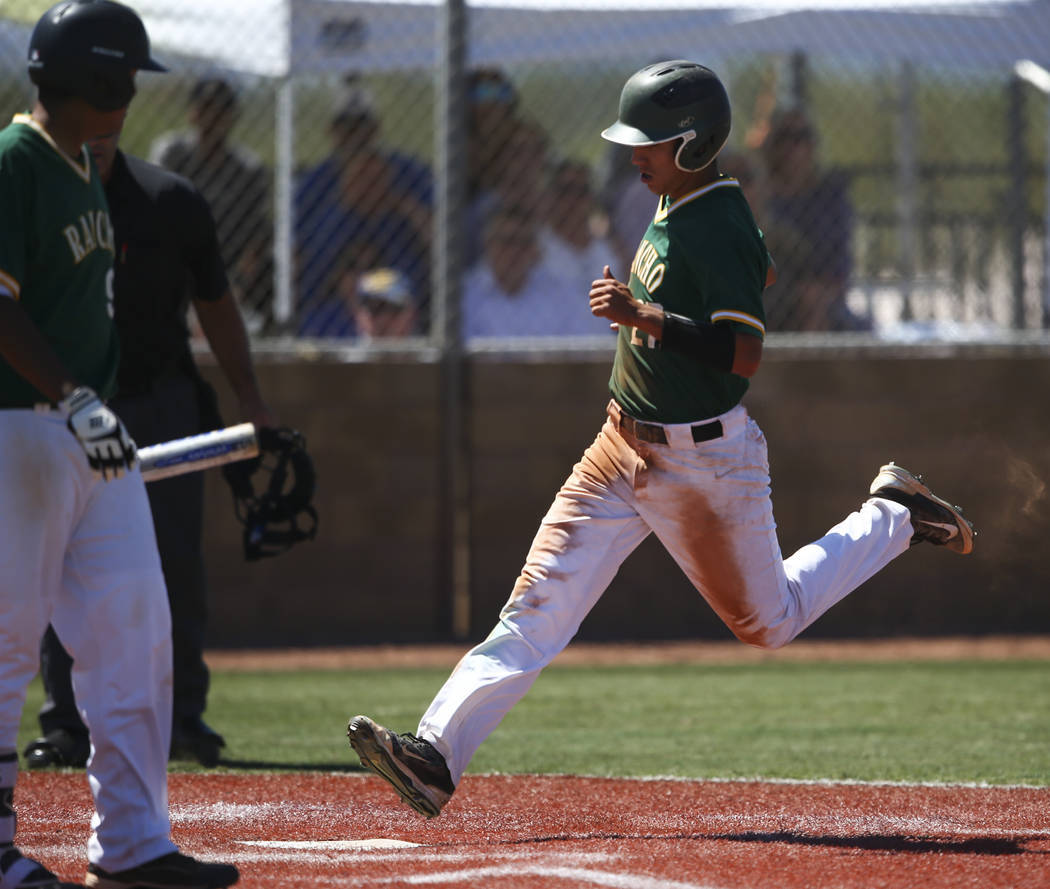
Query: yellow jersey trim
x=666 y=208
x=9 y=285
x=83 y=169
x=742 y=317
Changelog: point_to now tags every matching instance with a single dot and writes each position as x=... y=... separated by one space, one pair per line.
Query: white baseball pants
x=80 y=553
x=709 y=505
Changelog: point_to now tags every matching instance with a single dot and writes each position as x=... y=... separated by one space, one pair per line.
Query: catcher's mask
x=272 y=517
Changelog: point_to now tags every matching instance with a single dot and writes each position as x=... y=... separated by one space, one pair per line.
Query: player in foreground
x=167 y=257
x=678 y=455
x=78 y=547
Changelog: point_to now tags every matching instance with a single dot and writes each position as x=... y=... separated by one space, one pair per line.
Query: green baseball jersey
x=702 y=257
x=56 y=257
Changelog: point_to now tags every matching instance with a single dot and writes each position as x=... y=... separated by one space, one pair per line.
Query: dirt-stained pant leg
x=589 y=531
x=709 y=503
x=710 y=507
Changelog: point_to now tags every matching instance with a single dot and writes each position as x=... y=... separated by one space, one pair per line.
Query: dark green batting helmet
x=672 y=100
x=90 y=49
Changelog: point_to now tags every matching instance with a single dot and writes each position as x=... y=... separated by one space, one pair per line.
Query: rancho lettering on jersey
x=647 y=268
x=92 y=231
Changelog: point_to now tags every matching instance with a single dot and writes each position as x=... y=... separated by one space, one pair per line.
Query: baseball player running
x=678 y=455
x=77 y=548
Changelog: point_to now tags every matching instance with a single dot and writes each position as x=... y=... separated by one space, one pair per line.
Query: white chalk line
x=321 y=852
x=331 y=845
x=578 y=876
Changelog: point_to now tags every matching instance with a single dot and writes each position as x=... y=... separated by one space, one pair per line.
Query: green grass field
x=966 y=721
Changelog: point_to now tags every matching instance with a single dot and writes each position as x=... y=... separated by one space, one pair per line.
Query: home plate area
x=534 y=832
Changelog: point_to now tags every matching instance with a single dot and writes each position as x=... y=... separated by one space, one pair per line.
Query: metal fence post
x=284 y=210
x=1017 y=200
x=1039 y=77
x=450 y=152
x=907 y=184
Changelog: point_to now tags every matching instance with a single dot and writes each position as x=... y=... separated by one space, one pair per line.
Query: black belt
x=654 y=432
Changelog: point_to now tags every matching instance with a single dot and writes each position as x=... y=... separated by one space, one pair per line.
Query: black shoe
x=412 y=766
x=171 y=871
x=933 y=520
x=60 y=747
x=24 y=873
x=192 y=738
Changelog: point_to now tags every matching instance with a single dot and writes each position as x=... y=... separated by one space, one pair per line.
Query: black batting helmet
x=677 y=99
x=90 y=49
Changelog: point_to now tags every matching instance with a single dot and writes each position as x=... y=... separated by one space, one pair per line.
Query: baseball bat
x=196 y=452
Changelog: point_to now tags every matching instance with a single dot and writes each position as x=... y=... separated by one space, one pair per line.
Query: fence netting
x=905 y=197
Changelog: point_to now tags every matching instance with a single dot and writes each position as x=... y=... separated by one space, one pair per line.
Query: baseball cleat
x=20 y=872
x=933 y=520
x=171 y=871
x=411 y=765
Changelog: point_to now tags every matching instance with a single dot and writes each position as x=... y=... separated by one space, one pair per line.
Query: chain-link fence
x=896 y=163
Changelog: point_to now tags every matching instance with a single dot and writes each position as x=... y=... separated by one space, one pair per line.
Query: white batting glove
x=110 y=450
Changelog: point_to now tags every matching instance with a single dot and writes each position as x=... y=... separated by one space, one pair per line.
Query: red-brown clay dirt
x=535 y=832
x=337 y=831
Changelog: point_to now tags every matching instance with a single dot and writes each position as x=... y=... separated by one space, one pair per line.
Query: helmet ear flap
x=683 y=156
x=695 y=154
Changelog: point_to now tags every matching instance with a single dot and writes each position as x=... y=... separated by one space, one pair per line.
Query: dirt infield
x=550 y=832
x=344 y=831
x=593 y=653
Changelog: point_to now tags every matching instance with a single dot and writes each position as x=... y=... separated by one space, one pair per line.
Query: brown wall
x=974 y=424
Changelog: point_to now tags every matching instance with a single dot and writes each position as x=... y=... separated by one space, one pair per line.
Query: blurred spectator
x=512 y=291
x=492 y=115
x=505 y=154
x=807 y=219
x=333 y=316
x=361 y=194
x=748 y=170
x=383 y=305
x=235 y=185
x=573 y=239
x=371 y=302
x=520 y=179
x=524 y=179
x=354 y=127
x=626 y=200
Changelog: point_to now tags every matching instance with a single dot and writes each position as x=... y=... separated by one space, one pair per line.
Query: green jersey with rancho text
x=702 y=257
x=56 y=257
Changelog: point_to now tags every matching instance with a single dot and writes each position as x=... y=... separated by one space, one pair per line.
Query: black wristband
x=712 y=344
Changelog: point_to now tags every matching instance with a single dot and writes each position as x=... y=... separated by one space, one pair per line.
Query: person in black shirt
x=167 y=256
x=235 y=184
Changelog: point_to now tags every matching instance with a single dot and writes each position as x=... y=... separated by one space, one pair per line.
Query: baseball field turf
x=898 y=766
x=983 y=721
